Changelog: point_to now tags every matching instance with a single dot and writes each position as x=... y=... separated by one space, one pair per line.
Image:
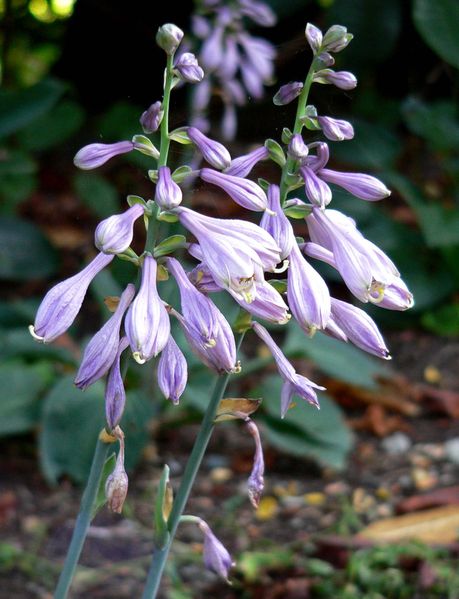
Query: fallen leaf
x=232 y=408
x=437 y=526
x=446 y=496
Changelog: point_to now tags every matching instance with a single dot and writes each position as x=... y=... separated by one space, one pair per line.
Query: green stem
x=83 y=520
x=165 y=141
x=194 y=462
x=297 y=128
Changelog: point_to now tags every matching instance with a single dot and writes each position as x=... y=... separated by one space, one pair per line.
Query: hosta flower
x=114 y=234
x=216 y=557
x=294 y=383
x=147 y=322
x=244 y=192
x=255 y=484
x=314 y=37
x=241 y=166
x=95 y=155
x=213 y=152
x=62 y=303
x=297 y=149
x=115 y=395
x=188 y=68
x=362 y=186
x=168 y=37
x=341 y=79
x=336 y=129
x=101 y=351
x=317 y=191
x=151 y=118
x=287 y=93
x=277 y=224
x=172 y=372
x=168 y=194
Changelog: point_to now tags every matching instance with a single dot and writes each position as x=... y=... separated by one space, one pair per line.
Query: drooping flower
x=360 y=185
x=244 y=192
x=168 y=194
x=115 y=394
x=359 y=328
x=114 y=234
x=62 y=303
x=268 y=305
x=317 y=191
x=277 y=224
x=307 y=294
x=95 y=155
x=255 y=484
x=294 y=383
x=101 y=351
x=213 y=152
x=147 y=322
x=216 y=557
x=172 y=371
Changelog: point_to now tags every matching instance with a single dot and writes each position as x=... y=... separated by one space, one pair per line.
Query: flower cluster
x=237 y=64
x=232 y=254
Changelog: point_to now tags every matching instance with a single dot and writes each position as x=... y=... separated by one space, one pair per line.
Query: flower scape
x=265 y=267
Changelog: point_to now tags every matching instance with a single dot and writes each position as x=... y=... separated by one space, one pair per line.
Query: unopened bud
x=169 y=37
x=336 y=39
x=116 y=486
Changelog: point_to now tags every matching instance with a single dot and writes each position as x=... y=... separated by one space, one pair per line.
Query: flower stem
x=194 y=462
x=165 y=141
x=297 y=128
x=83 y=520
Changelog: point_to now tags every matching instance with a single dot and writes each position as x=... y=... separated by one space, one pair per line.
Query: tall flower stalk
x=234 y=255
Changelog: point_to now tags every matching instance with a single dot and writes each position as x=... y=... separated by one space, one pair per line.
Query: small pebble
x=424 y=479
x=452 y=450
x=221 y=475
x=396 y=444
x=432 y=374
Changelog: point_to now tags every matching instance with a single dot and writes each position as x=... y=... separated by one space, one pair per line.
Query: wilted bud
x=314 y=37
x=287 y=93
x=95 y=155
x=114 y=234
x=169 y=37
x=116 y=485
x=336 y=39
x=213 y=152
x=188 y=68
x=256 y=483
x=168 y=194
x=151 y=118
x=216 y=557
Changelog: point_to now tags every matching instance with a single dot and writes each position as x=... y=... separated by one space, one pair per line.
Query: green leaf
x=22 y=385
x=25 y=254
x=169 y=245
x=17 y=179
x=335 y=358
x=20 y=108
x=437 y=122
x=254 y=564
x=305 y=431
x=72 y=420
x=443 y=321
x=101 y=499
x=53 y=128
x=141 y=408
x=17 y=342
x=438 y=24
x=97 y=193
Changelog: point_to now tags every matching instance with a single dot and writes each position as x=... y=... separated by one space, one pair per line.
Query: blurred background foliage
x=74 y=72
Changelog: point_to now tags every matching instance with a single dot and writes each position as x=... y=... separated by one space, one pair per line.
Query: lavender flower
x=297 y=149
x=212 y=50
x=62 y=303
x=268 y=305
x=216 y=557
x=294 y=383
x=317 y=191
x=101 y=351
x=214 y=153
x=342 y=79
x=336 y=129
x=151 y=118
x=244 y=192
x=172 y=371
x=362 y=186
x=114 y=234
x=307 y=294
x=287 y=93
x=115 y=395
x=314 y=38
x=258 y=12
x=241 y=166
x=359 y=328
x=95 y=155
x=277 y=224
x=203 y=280
x=256 y=483
x=147 y=322
x=168 y=194
x=188 y=68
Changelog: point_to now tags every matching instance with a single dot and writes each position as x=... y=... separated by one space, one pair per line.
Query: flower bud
x=241 y=166
x=336 y=39
x=116 y=485
x=317 y=191
x=216 y=557
x=314 y=37
x=244 y=192
x=213 y=152
x=95 y=155
x=115 y=395
x=365 y=187
x=256 y=484
x=297 y=149
x=287 y=93
x=168 y=194
x=114 y=234
x=169 y=37
x=336 y=129
x=342 y=79
x=172 y=372
x=188 y=68
x=151 y=118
